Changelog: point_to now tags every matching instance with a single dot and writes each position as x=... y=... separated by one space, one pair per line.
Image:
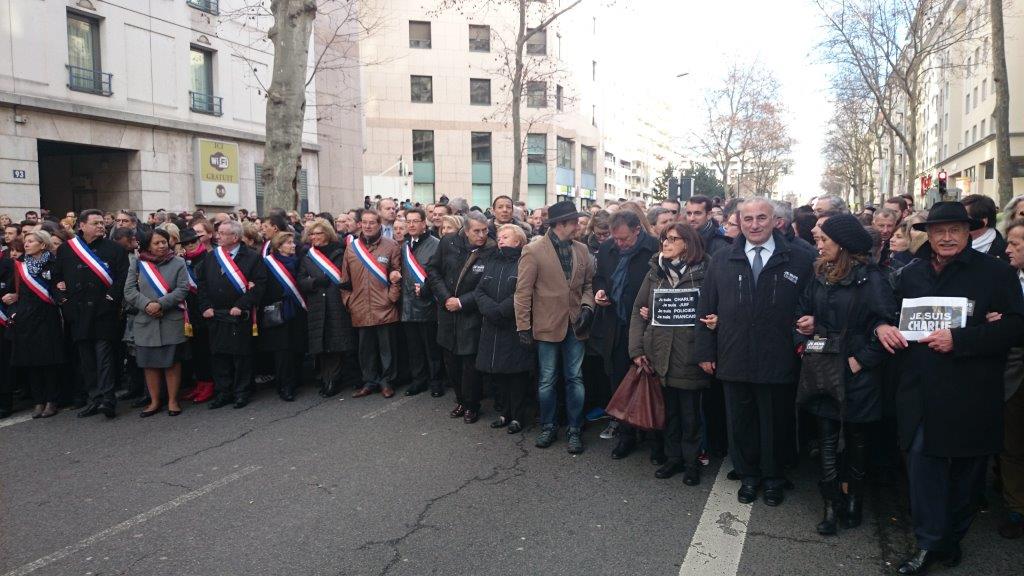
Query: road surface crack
x=419 y=523
x=793 y=539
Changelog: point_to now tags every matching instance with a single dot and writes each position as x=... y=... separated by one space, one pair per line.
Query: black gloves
x=526 y=337
x=581 y=328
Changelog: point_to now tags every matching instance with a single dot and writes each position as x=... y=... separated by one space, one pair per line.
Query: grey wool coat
x=170 y=328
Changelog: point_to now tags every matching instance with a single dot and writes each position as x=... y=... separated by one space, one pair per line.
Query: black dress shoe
x=658 y=456
x=471 y=416
x=415 y=390
x=108 y=410
x=746 y=494
x=330 y=389
x=4 y=413
x=623 y=448
x=457 y=412
x=90 y=410
x=514 y=427
x=288 y=396
x=774 y=496
x=919 y=562
x=241 y=403
x=668 y=470
x=691 y=477
x=732 y=475
x=436 y=393
x=173 y=412
x=148 y=413
x=219 y=403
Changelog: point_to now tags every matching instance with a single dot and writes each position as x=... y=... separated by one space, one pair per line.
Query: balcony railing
x=88 y=80
x=205 y=103
x=208 y=6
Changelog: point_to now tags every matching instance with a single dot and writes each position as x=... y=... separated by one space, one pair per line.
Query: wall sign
x=216 y=170
x=674 y=307
x=18 y=174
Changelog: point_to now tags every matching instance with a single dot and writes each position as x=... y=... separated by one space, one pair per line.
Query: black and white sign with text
x=674 y=307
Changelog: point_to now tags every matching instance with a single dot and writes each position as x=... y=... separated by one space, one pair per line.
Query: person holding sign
x=844 y=302
x=949 y=404
x=661 y=336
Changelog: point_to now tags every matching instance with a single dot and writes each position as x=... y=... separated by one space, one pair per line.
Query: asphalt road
x=375 y=486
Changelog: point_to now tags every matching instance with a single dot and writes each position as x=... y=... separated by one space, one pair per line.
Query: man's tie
x=758 y=263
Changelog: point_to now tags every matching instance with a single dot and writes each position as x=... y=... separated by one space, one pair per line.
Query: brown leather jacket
x=369 y=301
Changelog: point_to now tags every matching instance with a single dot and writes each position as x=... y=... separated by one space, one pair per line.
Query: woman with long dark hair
x=845 y=302
x=668 y=350
x=156 y=287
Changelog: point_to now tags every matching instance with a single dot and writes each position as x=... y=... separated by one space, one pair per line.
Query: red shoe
x=204 y=391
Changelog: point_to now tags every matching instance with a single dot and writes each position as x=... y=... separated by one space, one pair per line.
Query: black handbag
x=273 y=315
x=823 y=370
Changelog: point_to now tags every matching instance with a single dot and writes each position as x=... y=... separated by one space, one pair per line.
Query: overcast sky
x=658 y=39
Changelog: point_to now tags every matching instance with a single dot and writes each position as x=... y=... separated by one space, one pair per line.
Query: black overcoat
x=291 y=335
x=37 y=330
x=418 y=308
x=606 y=320
x=958 y=397
x=231 y=334
x=457 y=332
x=500 y=351
x=329 y=326
x=93 y=309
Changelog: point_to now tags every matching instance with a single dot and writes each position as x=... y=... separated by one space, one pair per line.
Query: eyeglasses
x=671 y=238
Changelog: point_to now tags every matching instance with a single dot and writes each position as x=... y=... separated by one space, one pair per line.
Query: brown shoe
x=387 y=392
x=51 y=410
x=362 y=392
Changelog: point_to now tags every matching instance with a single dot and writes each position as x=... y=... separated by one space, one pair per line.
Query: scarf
x=196 y=253
x=564 y=251
x=619 y=280
x=371 y=240
x=983 y=243
x=673 y=269
x=147 y=256
x=35 y=264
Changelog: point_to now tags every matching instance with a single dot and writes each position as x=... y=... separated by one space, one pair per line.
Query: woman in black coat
x=331 y=339
x=845 y=299
x=198 y=367
x=282 y=316
x=500 y=354
x=36 y=325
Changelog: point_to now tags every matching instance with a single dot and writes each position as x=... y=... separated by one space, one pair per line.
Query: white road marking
x=391 y=406
x=128 y=524
x=12 y=420
x=717 y=543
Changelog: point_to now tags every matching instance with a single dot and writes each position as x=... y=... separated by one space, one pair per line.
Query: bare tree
x=848 y=149
x=767 y=146
x=518 y=62
x=1004 y=166
x=894 y=45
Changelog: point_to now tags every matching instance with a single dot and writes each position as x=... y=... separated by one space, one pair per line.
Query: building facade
x=437 y=105
x=137 y=105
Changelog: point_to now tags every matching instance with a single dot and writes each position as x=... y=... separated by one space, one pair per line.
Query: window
x=201 y=72
x=536 y=148
x=984 y=89
x=593 y=71
x=481 y=142
x=565 y=153
x=587 y=155
x=967 y=103
x=422 y=89
x=537 y=94
x=422 y=145
x=967 y=135
x=559 y=94
x=419 y=34
x=975 y=96
x=480 y=91
x=479 y=38
x=974 y=133
x=84 y=71
x=983 y=128
x=208 y=6
x=537 y=44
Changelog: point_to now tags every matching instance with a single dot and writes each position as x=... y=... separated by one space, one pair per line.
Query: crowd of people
x=793 y=348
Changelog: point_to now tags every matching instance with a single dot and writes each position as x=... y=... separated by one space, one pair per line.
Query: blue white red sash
x=324 y=263
x=38 y=287
x=4 y=318
x=266 y=248
x=193 y=286
x=349 y=238
x=90 y=259
x=155 y=278
x=418 y=272
x=369 y=262
x=231 y=270
x=285 y=278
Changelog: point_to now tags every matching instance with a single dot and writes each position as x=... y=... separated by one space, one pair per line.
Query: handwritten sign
x=920 y=317
x=674 y=307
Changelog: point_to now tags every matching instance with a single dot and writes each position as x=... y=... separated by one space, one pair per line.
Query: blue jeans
x=572 y=351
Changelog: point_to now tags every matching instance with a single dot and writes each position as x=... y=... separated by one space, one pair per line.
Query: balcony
x=88 y=80
x=208 y=6
x=205 y=103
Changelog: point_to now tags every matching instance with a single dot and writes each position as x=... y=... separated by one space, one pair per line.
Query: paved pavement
x=374 y=486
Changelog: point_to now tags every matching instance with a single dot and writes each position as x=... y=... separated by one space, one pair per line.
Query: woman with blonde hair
x=451 y=224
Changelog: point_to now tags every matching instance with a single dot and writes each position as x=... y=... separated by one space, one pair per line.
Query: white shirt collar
x=769 y=247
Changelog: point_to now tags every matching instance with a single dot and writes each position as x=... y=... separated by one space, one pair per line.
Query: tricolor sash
x=266 y=248
x=285 y=278
x=4 y=318
x=324 y=263
x=90 y=259
x=231 y=270
x=419 y=273
x=369 y=262
x=38 y=287
x=193 y=286
x=155 y=278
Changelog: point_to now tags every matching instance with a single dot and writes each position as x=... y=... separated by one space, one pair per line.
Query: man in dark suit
x=231 y=284
x=92 y=271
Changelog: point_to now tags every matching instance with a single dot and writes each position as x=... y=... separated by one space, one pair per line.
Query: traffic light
x=673 y=188
x=942 y=182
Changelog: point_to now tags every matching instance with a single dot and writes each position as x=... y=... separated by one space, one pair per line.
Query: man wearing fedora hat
x=949 y=403
x=554 y=305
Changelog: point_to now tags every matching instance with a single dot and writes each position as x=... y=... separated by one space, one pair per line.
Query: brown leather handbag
x=638 y=401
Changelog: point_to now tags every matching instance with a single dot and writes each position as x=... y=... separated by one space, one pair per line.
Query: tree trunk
x=286 y=102
x=911 y=149
x=891 y=189
x=1004 y=167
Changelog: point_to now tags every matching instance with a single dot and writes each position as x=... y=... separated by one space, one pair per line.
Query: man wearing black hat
x=554 y=306
x=950 y=399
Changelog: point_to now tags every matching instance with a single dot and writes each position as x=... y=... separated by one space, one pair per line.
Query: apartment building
x=136 y=105
x=437 y=105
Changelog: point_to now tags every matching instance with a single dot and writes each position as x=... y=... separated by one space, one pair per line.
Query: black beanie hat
x=848 y=232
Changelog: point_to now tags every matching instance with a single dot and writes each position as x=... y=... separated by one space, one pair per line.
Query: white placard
x=920 y=317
